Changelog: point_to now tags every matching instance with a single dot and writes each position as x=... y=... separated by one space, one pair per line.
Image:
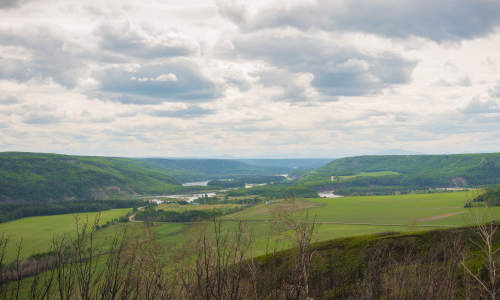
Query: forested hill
x=43 y=177
x=400 y=172
x=184 y=169
x=203 y=169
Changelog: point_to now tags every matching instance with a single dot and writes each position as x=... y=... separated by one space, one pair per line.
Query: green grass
x=188 y=207
x=378 y=213
x=393 y=209
x=407 y=210
x=36 y=233
x=375 y=212
x=368 y=174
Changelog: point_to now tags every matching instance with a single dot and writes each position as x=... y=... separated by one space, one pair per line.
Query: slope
x=406 y=172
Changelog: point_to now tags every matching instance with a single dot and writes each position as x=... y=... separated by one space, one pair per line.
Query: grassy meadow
x=336 y=217
x=351 y=216
x=36 y=233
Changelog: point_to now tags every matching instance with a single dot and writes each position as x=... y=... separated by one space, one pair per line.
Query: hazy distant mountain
x=397 y=152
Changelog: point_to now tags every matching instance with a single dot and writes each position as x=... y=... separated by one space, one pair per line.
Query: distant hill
x=42 y=177
x=288 y=163
x=203 y=169
x=388 y=173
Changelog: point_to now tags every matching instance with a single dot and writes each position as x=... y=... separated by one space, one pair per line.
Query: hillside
x=42 y=177
x=420 y=265
x=203 y=169
x=388 y=173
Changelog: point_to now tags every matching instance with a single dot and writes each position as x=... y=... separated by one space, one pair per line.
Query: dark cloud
x=445 y=20
x=138 y=42
x=463 y=81
x=338 y=70
x=156 y=83
x=4 y=100
x=41 y=118
x=11 y=3
x=495 y=91
x=50 y=57
x=477 y=106
x=187 y=113
x=293 y=90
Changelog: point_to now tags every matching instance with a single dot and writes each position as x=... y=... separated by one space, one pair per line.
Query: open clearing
x=367 y=174
x=405 y=210
x=36 y=233
x=336 y=217
x=343 y=217
x=352 y=216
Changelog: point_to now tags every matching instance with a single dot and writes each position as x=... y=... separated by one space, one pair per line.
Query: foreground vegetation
x=218 y=263
x=336 y=217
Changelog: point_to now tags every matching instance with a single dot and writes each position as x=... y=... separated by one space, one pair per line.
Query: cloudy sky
x=281 y=78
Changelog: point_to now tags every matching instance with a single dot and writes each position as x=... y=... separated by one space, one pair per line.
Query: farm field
x=181 y=208
x=405 y=210
x=353 y=216
x=36 y=233
x=336 y=217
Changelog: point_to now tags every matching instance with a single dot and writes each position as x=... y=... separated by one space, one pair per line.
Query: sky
x=281 y=78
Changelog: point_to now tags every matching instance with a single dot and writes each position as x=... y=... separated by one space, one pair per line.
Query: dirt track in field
x=440 y=217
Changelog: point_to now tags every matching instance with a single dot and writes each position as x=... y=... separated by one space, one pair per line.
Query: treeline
x=159 y=215
x=491 y=198
x=241 y=181
x=276 y=191
x=13 y=211
x=227 y=200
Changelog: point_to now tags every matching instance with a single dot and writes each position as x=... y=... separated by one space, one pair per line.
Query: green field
x=336 y=217
x=405 y=210
x=368 y=174
x=36 y=233
x=181 y=208
x=352 y=216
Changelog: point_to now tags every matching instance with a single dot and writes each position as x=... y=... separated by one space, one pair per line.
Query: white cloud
x=249 y=78
x=162 y=77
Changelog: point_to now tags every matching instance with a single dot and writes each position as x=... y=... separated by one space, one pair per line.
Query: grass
x=187 y=207
x=394 y=213
x=375 y=212
x=36 y=233
x=394 y=209
x=368 y=174
x=406 y=210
